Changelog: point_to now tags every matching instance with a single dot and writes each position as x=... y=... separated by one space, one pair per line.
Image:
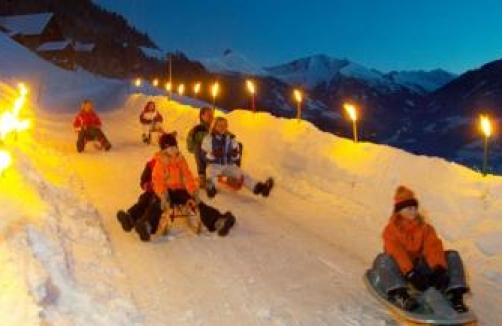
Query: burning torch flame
x=486 y=126
x=181 y=89
x=5 y=161
x=298 y=95
x=168 y=87
x=250 y=86
x=351 y=111
x=155 y=82
x=196 y=88
x=137 y=82
x=215 y=89
x=9 y=121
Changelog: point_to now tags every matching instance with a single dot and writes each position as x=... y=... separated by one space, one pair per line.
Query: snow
x=53 y=46
x=33 y=24
x=295 y=258
x=232 y=62
x=422 y=80
x=153 y=53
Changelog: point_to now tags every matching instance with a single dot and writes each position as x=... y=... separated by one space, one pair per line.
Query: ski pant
x=232 y=171
x=151 y=127
x=208 y=214
x=391 y=277
x=147 y=208
x=89 y=134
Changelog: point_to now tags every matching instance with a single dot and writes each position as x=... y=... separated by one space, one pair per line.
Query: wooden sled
x=187 y=213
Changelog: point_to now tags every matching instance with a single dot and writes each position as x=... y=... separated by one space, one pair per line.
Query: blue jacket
x=221 y=149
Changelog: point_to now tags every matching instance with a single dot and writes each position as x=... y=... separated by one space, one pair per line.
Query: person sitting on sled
x=222 y=153
x=414 y=254
x=147 y=208
x=151 y=121
x=174 y=183
x=194 y=141
x=88 y=126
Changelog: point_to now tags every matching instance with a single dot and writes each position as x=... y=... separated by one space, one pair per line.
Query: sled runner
x=434 y=308
x=187 y=212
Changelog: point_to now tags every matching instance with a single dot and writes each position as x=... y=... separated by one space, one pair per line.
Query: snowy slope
x=232 y=62
x=420 y=81
x=296 y=258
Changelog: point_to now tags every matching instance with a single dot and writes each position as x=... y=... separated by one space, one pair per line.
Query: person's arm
x=397 y=251
x=207 y=149
x=433 y=249
x=158 y=179
x=188 y=178
x=77 y=123
x=236 y=152
x=96 y=121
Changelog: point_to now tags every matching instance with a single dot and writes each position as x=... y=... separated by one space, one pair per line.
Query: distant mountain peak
x=233 y=62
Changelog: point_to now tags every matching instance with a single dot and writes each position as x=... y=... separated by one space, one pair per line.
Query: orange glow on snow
x=9 y=121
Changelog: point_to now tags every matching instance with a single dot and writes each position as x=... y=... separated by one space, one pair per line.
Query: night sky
x=456 y=35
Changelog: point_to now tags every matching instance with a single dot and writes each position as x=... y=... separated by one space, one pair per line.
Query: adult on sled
x=222 y=153
x=414 y=255
x=88 y=126
x=151 y=121
x=194 y=142
x=147 y=208
x=174 y=183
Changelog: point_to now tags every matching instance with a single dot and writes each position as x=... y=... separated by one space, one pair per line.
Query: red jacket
x=86 y=120
x=406 y=241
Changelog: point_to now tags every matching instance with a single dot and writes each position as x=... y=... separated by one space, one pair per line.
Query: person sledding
x=151 y=121
x=174 y=184
x=147 y=208
x=414 y=255
x=194 y=142
x=222 y=154
x=88 y=126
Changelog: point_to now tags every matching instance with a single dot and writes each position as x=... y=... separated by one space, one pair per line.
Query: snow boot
x=457 y=300
x=225 y=223
x=145 y=139
x=144 y=229
x=264 y=188
x=202 y=181
x=403 y=299
x=210 y=190
x=125 y=220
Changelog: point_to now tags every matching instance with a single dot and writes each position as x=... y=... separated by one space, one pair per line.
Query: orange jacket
x=406 y=241
x=172 y=172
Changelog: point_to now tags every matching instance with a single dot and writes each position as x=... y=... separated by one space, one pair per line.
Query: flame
x=298 y=95
x=5 y=160
x=137 y=82
x=486 y=126
x=155 y=82
x=168 y=87
x=250 y=86
x=196 y=88
x=215 y=89
x=9 y=121
x=181 y=89
x=351 y=111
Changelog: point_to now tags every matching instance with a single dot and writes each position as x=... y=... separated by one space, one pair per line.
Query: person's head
x=86 y=106
x=220 y=126
x=206 y=115
x=168 y=143
x=405 y=203
x=150 y=106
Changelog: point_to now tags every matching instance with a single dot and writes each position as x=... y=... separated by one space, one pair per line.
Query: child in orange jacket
x=414 y=254
x=173 y=182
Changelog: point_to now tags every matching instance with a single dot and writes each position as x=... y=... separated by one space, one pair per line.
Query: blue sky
x=456 y=35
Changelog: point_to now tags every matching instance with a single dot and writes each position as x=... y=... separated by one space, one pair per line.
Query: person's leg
x=100 y=136
x=456 y=271
x=137 y=210
x=213 y=170
x=214 y=220
x=201 y=168
x=388 y=271
x=234 y=171
x=81 y=140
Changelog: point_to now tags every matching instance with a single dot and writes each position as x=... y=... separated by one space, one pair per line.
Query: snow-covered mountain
x=232 y=62
x=314 y=71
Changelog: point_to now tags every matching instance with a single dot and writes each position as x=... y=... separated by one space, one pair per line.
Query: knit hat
x=167 y=140
x=404 y=197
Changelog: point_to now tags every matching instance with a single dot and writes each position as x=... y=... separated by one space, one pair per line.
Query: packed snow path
x=296 y=258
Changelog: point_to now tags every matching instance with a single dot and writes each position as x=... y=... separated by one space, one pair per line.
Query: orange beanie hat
x=404 y=197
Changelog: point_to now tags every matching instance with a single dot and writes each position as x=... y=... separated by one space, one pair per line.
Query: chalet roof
x=53 y=46
x=33 y=24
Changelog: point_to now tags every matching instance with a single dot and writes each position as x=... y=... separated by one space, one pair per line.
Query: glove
x=147 y=186
x=218 y=152
x=439 y=278
x=418 y=280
